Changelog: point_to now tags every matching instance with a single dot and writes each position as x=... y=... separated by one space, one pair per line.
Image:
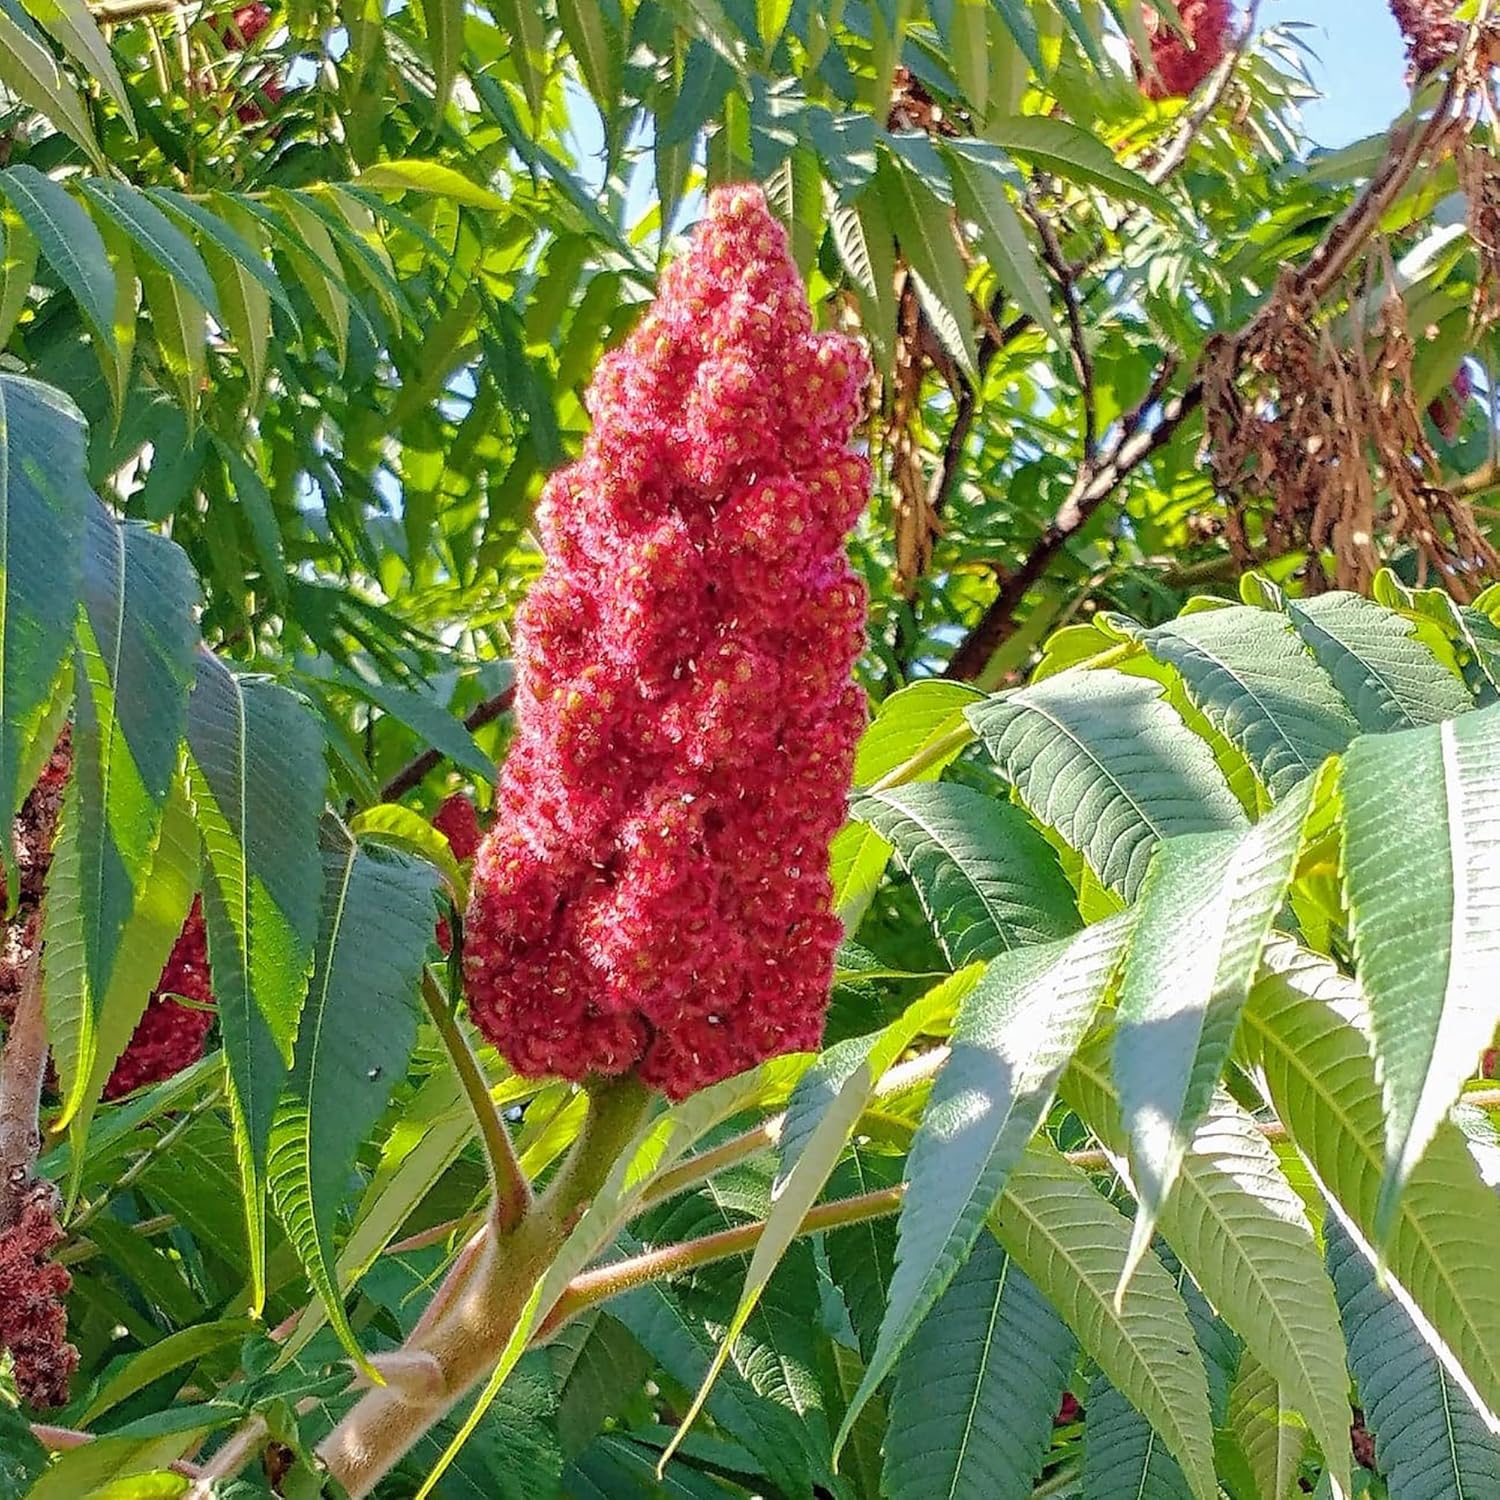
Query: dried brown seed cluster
x=1432 y=35
x=1318 y=444
x=33 y=1319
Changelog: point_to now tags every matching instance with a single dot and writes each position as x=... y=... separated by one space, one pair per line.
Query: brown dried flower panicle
x=1317 y=443
x=33 y=1319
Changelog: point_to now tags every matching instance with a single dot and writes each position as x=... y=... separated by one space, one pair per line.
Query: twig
x=113 y=12
x=238 y=1450
x=415 y=770
x=1091 y=489
x=511 y=1188
x=23 y=1067
x=1094 y=484
x=1083 y=361
x=62 y=1439
x=599 y=1285
x=132 y=1174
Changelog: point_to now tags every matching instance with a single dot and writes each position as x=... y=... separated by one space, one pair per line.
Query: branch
x=23 y=1067
x=62 y=1439
x=596 y=1286
x=488 y=1294
x=1083 y=362
x=412 y=774
x=1191 y=126
x=1095 y=483
x=1091 y=488
x=511 y=1188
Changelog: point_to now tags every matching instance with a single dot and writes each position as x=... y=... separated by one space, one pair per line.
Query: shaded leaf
x=357 y=1030
x=1015 y=1035
x=978 y=1386
x=258 y=777
x=988 y=881
x=1430 y=1443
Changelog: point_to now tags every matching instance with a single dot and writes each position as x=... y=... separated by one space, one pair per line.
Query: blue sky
x=1360 y=67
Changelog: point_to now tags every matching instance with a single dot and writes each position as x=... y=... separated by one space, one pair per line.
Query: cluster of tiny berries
x=458 y=821
x=32 y=833
x=1448 y=407
x=33 y=1319
x=170 y=1036
x=1432 y=34
x=1184 y=60
x=245 y=24
x=654 y=894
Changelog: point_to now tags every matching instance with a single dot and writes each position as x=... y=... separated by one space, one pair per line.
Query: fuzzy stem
x=64 y=1439
x=511 y=1189
x=600 y=1285
x=929 y=755
x=132 y=1174
x=478 y=1307
x=23 y=1067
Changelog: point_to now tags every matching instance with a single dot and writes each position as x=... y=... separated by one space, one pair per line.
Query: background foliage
x=1171 y=892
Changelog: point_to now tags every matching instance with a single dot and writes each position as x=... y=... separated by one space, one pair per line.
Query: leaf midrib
x=1349 y=1133
x=1104 y=1301
x=1205 y=1198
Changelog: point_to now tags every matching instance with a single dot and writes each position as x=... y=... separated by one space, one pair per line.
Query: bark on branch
x=1096 y=481
x=23 y=1067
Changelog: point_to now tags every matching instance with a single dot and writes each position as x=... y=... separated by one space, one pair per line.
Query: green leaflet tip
x=1140 y=1245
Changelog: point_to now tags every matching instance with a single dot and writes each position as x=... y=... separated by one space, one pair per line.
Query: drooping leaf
x=310 y=248
x=17 y=270
x=526 y=29
x=1013 y=1039
x=1072 y=1243
x=1305 y=1033
x=44 y=500
x=1068 y=150
x=679 y=1342
x=592 y=29
x=924 y=229
x=825 y=1108
x=1240 y=1228
x=444 y=24
x=982 y=198
x=164 y=244
x=989 y=882
x=181 y=327
x=1205 y=912
x=869 y=262
x=132 y=668
x=257 y=776
x=978 y=1386
x=1422 y=879
x=69 y=240
x=1430 y=1443
x=30 y=71
x=1250 y=674
x=1100 y=757
x=72 y=24
x=1123 y=1457
x=1272 y=1437
x=1384 y=673
x=357 y=1030
x=233 y=234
